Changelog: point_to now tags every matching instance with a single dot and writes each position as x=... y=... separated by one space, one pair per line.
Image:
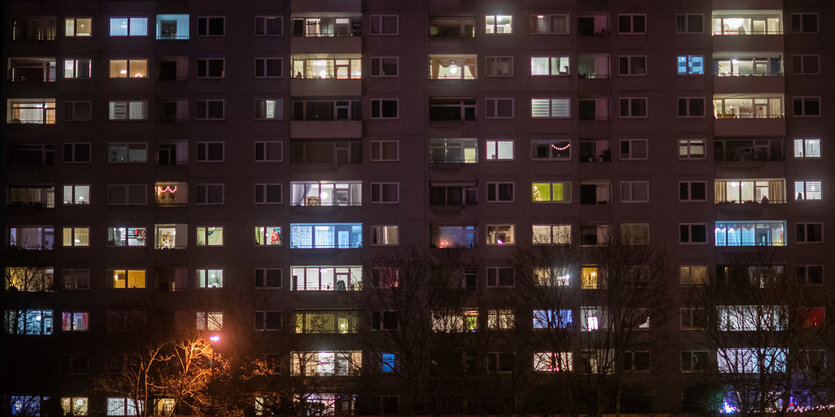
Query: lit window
x=552 y=319
x=28 y=322
x=171 y=194
x=549 y=24
x=634 y=233
x=807 y=148
x=453 y=150
x=123 y=406
x=553 y=362
x=501 y=319
x=550 y=65
x=808 y=190
x=75 y=195
x=693 y=275
x=750 y=233
x=550 y=108
x=78 y=68
x=211 y=320
x=385 y=235
x=552 y=277
x=133 y=152
x=498 y=24
x=691 y=149
x=74 y=322
x=453 y=236
x=589 y=277
x=209 y=236
x=126 y=236
x=128 y=26
x=498 y=150
x=320 y=67
x=76 y=236
x=209 y=278
x=78 y=27
x=592 y=318
x=128 y=110
x=312 y=322
x=559 y=192
x=551 y=234
x=500 y=234
x=268 y=235
x=269 y=109
x=325 y=235
x=39 y=111
x=29 y=279
x=554 y=150
x=691 y=64
x=128 y=68
x=172 y=26
x=74 y=406
x=453 y=67
x=465 y=321
x=171 y=236
x=326 y=278
x=127 y=278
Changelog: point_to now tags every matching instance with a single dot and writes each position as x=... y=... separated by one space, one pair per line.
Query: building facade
x=242 y=168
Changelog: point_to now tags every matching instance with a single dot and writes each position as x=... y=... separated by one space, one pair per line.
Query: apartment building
x=240 y=168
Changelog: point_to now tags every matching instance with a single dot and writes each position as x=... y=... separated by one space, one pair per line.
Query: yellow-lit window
x=589 y=278
x=128 y=278
x=128 y=68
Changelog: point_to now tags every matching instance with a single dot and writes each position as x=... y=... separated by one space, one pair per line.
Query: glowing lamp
x=214 y=338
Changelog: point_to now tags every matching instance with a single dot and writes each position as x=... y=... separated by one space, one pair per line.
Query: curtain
x=720 y=192
x=776 y=193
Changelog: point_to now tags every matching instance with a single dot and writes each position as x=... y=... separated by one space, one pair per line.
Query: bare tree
x=766 y=331
x=595 y=314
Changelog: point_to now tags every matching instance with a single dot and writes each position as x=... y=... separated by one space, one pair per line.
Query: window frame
x=380 y=192
x=549 y=16
x=75 y=20
x=690 y=191
x=802 y=70
x=206 y=186
x=380 y=65
x=689 y=240
x=201 y=283
x=204 y=103
x=264 y=193
x=127 y=104
x=377 y=19
x=689 y=142
x=629 y=72
x=278 y=110
x=204 y=231
x=805 y=277
x=629 y=156
x=130 y=23
x=806 y=227
x=630 y=114
x=265 y=282
x=495 y=106
x=265 y=151
x=76 y=64
x=264 y=66
x=205 y=63
x=630 y=185
x=687 y=30
x=800 y=28
x=265 y=26
x=496 y=190
x=378 y=239
x=804 y=148
x=70 y=116
x=379 y=145
x=803 y=100
x=495 y=24
x=379 y=102
x=73 y=156
x=631 y=29
x=494 y=145
x=688 y=108
x=497 y=281
x=551 y=113
x=495 y=59
x=204 y=157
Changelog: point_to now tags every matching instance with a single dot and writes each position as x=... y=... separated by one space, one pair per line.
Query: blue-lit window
x=691 y=64
x=325 y=235
x=172 y=26
x=31 y=322
x=551 y=319
x=751 y=233
x=388 y=363
x=128 y=26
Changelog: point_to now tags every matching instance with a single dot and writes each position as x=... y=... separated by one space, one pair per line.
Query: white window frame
x=379 y=102
x=378 y=145
x=630 y=186
x=205 y=232
x=77 y=63
x=73 y=196
x=496 y=186
x=204 y=157
x=262 y=63
x=130 y=22
x=630 y=114
x=73 y=231
x=127 y=104
x=802 y=70
x=266 y=146
x=803 y=190
x=493 y=102
x=74 y=20
x=690 y=191
x=806 y=228
x=632 y=23
x=378 y=66
x=380 y=186
x=688 y=142
x=495 y=59
x=203 y=281
x=631 y=142
x=382 y=234
x=510 y=227
x=128 y=145
x=278 y=113
x=204 y=20
x=803 y=100
x=377 y=19
x=204 y=64
x=492 y=145
x=689 y=240
x=687 y=29
x=629 y=72
x=803 y=148
x=551 y=106
x=263 y=195
x=205 y=104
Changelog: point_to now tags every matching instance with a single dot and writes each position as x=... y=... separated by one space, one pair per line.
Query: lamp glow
x=214 y=338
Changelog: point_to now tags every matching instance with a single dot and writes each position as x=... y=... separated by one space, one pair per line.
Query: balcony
x=326 y=44
x=325 y=87
x=747 y=30
x=31 y=70
x=305 y=129
x=749 y=127
x=749 y=114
